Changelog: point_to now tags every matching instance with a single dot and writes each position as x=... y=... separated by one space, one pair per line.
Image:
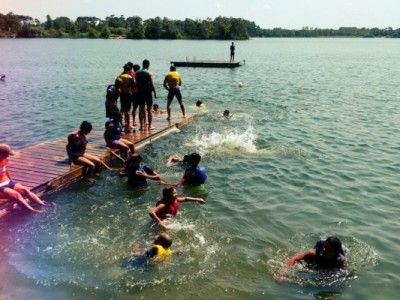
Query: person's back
x=143 y=80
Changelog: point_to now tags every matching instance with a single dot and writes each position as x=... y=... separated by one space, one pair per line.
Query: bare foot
x=168 y=119
x=152 y=128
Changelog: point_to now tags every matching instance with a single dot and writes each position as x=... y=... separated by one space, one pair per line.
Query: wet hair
x=164 y=239
x=136 y=68
x=199 y=102
x=334 y=243
x=167 y=192
x=127 y=67
x=155 y=107
x=86 y=126
x=172 y=68
x=145 y=63
x=226 y=113
x=135 y=158
x=192 y=159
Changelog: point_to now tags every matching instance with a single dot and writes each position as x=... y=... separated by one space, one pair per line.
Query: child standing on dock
x=145 y=84
x=76 y=150
x=172 y=83
x=15 y=191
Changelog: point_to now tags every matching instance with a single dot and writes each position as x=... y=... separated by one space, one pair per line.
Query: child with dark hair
x=168 y=205
x=113 y=135
x=326 y=254
x=137 y=172
x=76 y=150
x=194 y=175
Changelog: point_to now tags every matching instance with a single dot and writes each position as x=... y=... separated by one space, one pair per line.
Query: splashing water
x=231 y=142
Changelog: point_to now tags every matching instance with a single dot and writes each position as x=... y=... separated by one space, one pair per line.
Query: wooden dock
x=45 y=168
x=208 y=63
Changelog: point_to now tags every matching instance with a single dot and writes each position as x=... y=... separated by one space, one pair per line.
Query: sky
x=289 y=14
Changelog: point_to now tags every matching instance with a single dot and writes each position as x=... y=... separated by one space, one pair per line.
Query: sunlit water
x=312 y=150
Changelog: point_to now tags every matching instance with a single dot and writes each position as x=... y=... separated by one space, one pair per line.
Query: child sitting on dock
x=76 y=150
x=113 y=135
x=168 y=205
x=15 y=191
x=137 y=172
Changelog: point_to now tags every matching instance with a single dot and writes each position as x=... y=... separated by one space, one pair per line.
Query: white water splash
x=232 y=141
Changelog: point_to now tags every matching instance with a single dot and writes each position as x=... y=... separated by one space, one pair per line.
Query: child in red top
x=15 y=191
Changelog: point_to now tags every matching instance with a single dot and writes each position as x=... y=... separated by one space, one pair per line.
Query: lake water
x=313 y=150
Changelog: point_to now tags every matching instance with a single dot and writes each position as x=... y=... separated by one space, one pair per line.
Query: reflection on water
x=310 y=151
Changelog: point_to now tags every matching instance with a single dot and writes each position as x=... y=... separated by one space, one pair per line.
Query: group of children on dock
x=135 y=88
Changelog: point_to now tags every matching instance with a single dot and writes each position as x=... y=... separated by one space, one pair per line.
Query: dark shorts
x=126 y=100
x=74 y=158
x=174 y=92
x=11 y=184
x=145 y=99
x=135 y=100
x=112 y=143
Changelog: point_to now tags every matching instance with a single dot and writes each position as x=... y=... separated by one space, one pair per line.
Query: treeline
x=221 y=28
x=132 y=28
x=341 y=32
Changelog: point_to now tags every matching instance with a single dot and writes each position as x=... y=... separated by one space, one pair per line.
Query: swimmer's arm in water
x=153 y=213
x=149 y=253
x=291 y=261
x=173 y=159
x=299 y=257
x=186 y=199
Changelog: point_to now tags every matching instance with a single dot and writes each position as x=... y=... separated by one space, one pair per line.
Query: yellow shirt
x=173 y=79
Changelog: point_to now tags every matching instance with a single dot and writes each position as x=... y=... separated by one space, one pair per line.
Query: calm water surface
x=312 y=150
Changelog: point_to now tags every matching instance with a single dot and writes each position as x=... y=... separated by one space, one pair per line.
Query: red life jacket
x=76 y=149
x=4 y=176
x=171 y=209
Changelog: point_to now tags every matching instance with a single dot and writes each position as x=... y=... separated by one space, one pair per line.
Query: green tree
x=238 y=30
x=49 y=22
x=222 y=28
x=62 y=23
x=136 y=28
x=153 y=28
x=105 y=32
x=169 y=30
x=92 y=33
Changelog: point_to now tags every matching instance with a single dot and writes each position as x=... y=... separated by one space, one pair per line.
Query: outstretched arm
x=186 y=199
x=291 y=261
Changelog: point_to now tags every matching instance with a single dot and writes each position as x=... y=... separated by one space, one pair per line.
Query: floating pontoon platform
x=208 y=63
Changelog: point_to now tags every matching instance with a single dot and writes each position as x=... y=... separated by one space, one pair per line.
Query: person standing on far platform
x=232 y=52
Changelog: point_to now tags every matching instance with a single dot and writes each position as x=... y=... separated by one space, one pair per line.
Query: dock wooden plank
x=45 y=167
